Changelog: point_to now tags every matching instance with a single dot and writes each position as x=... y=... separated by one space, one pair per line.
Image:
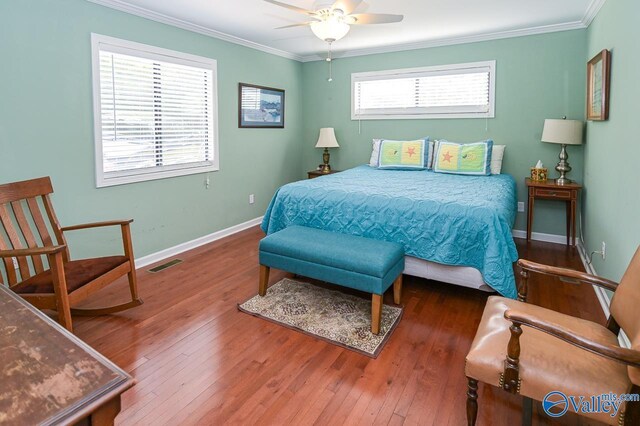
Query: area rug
x=339 y=318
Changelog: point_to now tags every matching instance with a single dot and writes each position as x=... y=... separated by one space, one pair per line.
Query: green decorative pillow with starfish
x=404 y=155
x=463 y=158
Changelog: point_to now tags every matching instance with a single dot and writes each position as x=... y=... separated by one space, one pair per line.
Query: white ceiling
x=426 y=22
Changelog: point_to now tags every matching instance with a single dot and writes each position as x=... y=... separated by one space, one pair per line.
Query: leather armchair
x=529 y=350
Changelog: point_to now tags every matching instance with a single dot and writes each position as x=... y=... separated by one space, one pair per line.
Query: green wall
x=537 y=77
x=46 y=126
x=612 y=197
x=46 y=122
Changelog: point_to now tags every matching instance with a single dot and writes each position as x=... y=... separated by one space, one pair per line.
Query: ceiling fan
x=331 y=22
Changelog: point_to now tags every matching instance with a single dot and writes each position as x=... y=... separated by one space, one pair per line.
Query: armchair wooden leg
x=376 y=312
x=264 y=280
x=527 y=411
x=472 y=401
x=397 y=290
x=632 y=409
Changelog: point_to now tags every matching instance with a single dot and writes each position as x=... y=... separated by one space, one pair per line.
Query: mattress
x=448 y=219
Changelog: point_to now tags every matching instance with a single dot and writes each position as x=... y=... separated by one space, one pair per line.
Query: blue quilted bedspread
x=449 y=219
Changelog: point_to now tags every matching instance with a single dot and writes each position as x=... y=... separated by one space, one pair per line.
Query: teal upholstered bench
x=347 y=260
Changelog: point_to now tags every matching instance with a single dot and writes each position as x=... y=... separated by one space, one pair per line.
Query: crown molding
x=590 y=14
x=592 y=11
x=568 y=26
x=179 y=23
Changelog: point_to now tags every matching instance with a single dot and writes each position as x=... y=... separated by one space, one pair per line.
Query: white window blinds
x=450 y=91
x=157 y=113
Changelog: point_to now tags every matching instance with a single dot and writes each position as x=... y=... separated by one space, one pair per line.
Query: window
x=447 y=91
x=155 y=112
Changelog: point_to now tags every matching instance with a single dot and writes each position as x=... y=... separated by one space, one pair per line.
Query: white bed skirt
x=465 y=276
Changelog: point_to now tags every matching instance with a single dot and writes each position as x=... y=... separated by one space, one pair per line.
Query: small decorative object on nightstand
x=550 y=190
x=539 y=172
x=326 y=140
x=317 y=173
x=564 y=132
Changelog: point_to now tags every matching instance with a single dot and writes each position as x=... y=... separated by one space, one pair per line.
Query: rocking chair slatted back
x=22 y=218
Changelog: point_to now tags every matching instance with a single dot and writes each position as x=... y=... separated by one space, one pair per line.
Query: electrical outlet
x=521 y=206
x=15 y=263
x=252 y=198
x=604 y=251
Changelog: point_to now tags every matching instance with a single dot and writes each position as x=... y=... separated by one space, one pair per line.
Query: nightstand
x=317 y=173
x=548 y=190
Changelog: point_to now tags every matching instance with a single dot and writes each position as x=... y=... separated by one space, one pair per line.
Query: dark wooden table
x=549 y=190
x=317 y=173
x=48 y=375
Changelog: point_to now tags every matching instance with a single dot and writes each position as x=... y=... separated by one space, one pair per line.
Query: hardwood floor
x=198 y=360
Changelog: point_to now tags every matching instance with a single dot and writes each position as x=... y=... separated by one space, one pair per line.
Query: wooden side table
x=317 y=173
x=548 y=190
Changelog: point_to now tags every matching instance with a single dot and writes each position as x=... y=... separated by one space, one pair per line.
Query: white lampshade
x=331 y=29
x=327 y=138
x=567 y=132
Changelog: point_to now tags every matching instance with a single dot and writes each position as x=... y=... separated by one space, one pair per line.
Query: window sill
x=103 y=182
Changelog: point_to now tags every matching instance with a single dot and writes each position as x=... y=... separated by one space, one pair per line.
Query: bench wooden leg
x=397 y=290
x=264 y=280
x=376 y=312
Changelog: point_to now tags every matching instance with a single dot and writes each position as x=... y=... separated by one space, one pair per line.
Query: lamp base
x=326 y=168
x=565 y=181
x=563 y=167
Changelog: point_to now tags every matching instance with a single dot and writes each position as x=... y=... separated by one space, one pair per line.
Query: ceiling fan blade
x=292 y=7
x=301 y=24
x=347 y=6
x=375 y=18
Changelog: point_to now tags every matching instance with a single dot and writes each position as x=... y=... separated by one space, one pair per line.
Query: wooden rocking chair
x=25 y=241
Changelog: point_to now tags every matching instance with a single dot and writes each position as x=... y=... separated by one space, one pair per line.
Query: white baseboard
x=180 y=248
x=601 y=294
x=539 y=236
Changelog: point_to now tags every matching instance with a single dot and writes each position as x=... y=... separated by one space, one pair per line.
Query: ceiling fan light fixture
x=330 y=29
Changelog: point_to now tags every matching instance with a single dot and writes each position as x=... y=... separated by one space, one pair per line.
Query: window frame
x=454 y=111
x=146 y=51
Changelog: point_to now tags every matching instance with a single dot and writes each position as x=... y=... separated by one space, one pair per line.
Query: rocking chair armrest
x=616 y=353
x=578 y=276
x=36 y=251
x=97 y=225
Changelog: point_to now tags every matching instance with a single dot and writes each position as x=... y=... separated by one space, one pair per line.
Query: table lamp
x=326 y=140
x=564 y=132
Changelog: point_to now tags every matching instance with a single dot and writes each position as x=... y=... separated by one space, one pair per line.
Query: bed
x=454 y=228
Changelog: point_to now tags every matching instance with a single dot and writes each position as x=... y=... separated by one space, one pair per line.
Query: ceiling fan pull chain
x=330 y=60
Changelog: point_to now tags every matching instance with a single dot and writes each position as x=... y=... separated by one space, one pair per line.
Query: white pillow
x=497 y=153
x=374 y=161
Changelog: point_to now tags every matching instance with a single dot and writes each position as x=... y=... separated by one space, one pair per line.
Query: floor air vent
x=164 y=266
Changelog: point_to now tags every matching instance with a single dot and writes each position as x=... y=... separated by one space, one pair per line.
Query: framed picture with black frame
x=260 y=107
